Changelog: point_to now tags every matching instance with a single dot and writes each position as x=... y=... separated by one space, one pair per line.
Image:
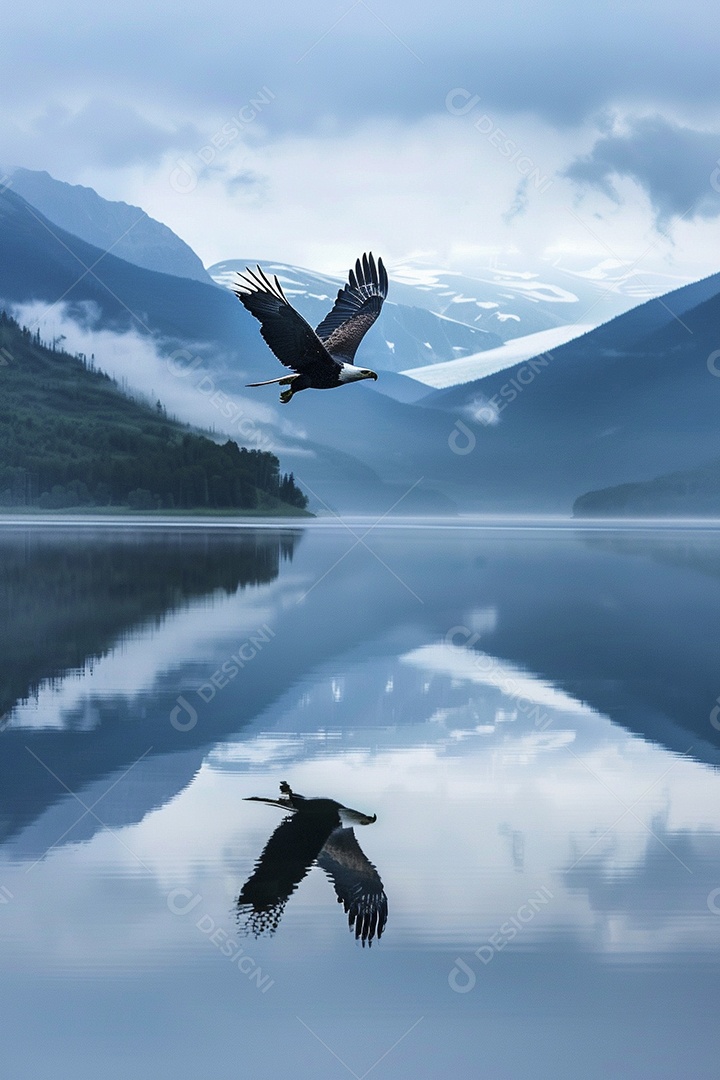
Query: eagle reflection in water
x=316 y=831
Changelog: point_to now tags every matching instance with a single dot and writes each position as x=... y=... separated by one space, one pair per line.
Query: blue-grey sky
x=305 y=132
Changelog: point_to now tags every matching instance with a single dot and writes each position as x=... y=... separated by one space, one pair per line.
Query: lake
x=533 y=714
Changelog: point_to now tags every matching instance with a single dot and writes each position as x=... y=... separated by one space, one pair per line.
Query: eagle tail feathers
x=284 y=380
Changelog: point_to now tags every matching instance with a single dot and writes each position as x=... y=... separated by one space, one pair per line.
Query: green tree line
x=70 y=437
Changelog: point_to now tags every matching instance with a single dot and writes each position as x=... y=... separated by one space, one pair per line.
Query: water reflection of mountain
x=631 y=632
x=70 y=597
x=627 y=624
x=695 y=550
x=65 y=599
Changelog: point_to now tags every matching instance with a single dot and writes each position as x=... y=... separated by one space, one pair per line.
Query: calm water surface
x=533 y=716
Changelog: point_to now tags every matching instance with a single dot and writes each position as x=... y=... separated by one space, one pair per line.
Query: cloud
x=182 y=381
x=102 y=132
x=310 y=132
x=520 y=202
x=387 y=186
x=336 y=64
x=249 y=185
x=678 y=167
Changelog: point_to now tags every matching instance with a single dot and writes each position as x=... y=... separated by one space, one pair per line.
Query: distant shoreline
x=292 y=518
x=15 y=512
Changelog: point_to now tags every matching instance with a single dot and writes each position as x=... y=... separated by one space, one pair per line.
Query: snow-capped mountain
x=629 y=400
x=412 y=334
x=513 y=298
x=468 y=369
x=442 y=328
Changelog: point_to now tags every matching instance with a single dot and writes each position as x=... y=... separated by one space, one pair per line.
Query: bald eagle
x=324 y=357
x=318 y=831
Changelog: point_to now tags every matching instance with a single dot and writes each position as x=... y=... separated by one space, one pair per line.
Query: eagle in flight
x=317 y=832
x=324 y=357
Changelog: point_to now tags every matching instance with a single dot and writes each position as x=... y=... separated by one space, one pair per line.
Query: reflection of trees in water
x=692 y=550
x=69 y=597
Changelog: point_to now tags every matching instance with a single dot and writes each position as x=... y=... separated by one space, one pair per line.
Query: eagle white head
x=350 y=373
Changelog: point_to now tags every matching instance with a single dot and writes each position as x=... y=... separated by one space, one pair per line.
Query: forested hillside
x=70 y=437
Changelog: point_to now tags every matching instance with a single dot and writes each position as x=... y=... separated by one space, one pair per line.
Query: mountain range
x=628 y=401
x=127 y=231
x=648 y=670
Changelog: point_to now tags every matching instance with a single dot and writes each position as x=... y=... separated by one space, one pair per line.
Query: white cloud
x=334 y=163
x=183 y=385
x=442 y=185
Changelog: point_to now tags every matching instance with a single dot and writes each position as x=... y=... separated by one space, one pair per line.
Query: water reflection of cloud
x=468 y=666
x=452 y=766
x=443 y=823
x=205 y=629
x=653 y=906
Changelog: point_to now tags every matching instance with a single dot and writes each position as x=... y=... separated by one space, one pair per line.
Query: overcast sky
x=310 y=132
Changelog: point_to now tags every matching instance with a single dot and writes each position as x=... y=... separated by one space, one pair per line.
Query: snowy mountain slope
x=516 y=298
x=478 y=366
x=430 y=312
x=411 y=336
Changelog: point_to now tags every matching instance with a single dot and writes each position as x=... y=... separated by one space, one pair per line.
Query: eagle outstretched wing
x=356 y=308
x=357 y=884
x=286 y=859
x=290 y=337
